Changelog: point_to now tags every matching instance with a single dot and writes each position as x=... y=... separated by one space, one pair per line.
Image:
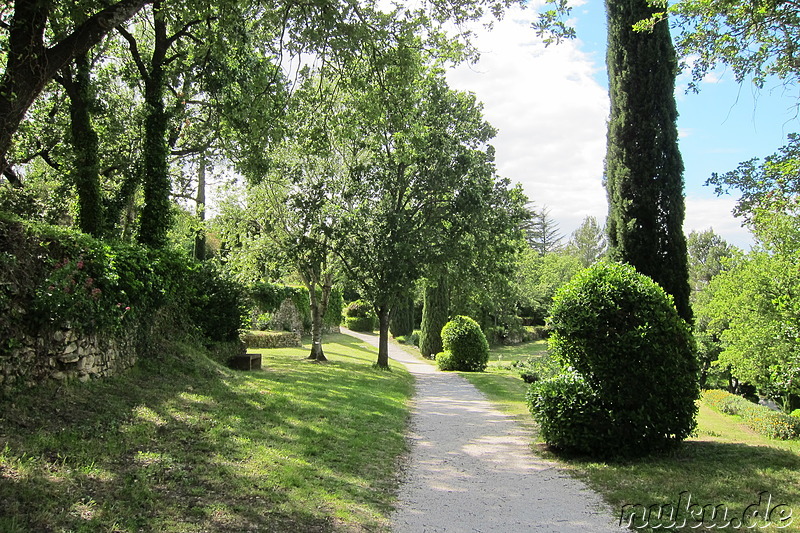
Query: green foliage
x=539 y=277
x=750 y=310
x=760 y=418
x=542 y=232
x=360 y=323
x=218 y=305
x=644 y=169
x=360 y=316
x=709 y=255
x=571 y=415
x=588 y=242
x=620 y=332
x=771 y=184
x=93 y=287
x=268 y=297
x=445 y=361
x=435 y=312
x=402 y=321
x=754 y=40
x=465 y=346
x=333 y=314
x=360 y=309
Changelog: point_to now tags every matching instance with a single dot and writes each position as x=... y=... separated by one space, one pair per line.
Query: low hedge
x=360 y=323
x=772 y=424
x=271 y=339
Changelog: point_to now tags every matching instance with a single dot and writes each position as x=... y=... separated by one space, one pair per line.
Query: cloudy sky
x=550 y=106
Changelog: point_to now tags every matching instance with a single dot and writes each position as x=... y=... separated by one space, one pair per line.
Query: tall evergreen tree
x=435 y=312
x=644 y=169
x=402 y=319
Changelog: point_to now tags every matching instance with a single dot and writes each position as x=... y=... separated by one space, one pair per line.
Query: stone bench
x=248 y=361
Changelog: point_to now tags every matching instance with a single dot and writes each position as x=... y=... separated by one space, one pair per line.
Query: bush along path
x=472 y=469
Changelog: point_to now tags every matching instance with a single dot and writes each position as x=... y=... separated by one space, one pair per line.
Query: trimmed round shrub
x=621 y=334
x=360 y=316
x=465 y=346
x=570 y=414
x=445 y=361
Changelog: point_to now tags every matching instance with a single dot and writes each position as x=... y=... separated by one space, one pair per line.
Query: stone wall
x=61 y=355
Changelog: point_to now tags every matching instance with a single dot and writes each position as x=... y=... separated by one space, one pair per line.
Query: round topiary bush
x=465 y=346
x=359 y=316
x=570 y=414
x=621 y=334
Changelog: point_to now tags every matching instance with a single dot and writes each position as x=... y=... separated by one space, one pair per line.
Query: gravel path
x=472 y=468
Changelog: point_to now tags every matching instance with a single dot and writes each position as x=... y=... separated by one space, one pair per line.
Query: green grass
x=725 y=463
x=190 y=446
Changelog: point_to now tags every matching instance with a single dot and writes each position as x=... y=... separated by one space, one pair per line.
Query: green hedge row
x=764 y=420
x=268 y=297
x=360 y=323
x=271 y=339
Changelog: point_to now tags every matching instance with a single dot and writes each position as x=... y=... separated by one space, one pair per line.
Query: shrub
x=570 y=414
x=414 y=338
x=360 y=316
x=359 y=323
x=445 y=361
x=466 y=344
x=621 y=333
x=359 y=309
x=796 y=413
x=56 y=278
x=333 y=314
x=772 y=424
x=218 y=303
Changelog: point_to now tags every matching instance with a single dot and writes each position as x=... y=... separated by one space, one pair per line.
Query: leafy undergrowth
x=724 y=468
x=190 y=446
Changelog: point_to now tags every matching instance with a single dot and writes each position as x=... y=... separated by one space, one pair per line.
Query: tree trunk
x=318 y=308
x=383 y=340
x=29 y=65
x=200 y=236
x=85 y=147
x=156 y=214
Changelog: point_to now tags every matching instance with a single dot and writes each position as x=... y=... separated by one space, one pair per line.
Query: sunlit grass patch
x=191 y=446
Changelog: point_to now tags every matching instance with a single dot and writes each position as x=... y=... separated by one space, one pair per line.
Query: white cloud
x=550 y=113
x=704 y=213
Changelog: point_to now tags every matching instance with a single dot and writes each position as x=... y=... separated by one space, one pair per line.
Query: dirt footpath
x=472 y=469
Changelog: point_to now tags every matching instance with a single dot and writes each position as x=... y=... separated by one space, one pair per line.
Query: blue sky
x=550 y=105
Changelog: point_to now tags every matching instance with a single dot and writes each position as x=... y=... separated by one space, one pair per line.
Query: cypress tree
x=435 y=311
x=644 y=169
x=402 y=320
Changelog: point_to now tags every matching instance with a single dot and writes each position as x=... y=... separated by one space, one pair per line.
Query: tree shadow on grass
x=208 y=451
x=713 y=475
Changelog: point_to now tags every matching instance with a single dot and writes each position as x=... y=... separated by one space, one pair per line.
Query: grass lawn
x=190 y=446
x=725 y=464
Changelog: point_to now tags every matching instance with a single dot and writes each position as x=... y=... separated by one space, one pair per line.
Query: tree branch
x=134 y=48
